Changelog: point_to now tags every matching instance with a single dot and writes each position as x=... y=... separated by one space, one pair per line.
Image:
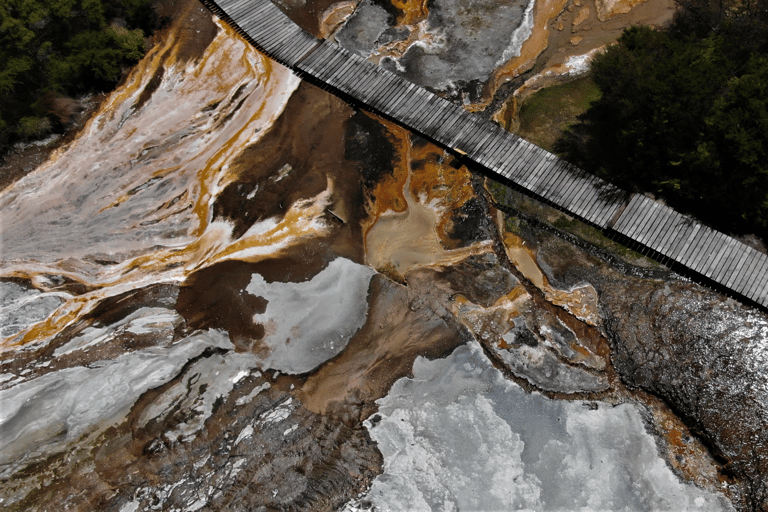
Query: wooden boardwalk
x=717 y=257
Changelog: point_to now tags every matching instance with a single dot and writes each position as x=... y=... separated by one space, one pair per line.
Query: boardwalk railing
x=721 y=260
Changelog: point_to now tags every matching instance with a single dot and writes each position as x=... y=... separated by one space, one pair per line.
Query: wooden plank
x=762 y=296
x=271 y=35
x=503 y=161
x=745 y=276
x=301 y=48
x=252 y=24
x=761 y=267
x=445 y=123
x=501 y=144
x=666 y=222
x=698 y=247
x=745 y=273
x=732 y=263
x=535 y=170
x=261 y=24
x=425 y=111
x=650 y=228
x=464 y=142
x=544 y=172
x=628 y=216
x=414 y=107
x=509 y=159
x=554 y=191
x=679 y=245
x=316 y=60
x=677 y=235
x=459 y=125
x=713 y=264
x=593 y=203
x=469 y=143
x=387 y=91
x=258 y=6
x=322 y=68
x=236 y=9
x=527 y=154
x=388 y=101
x=360 y=79
x=373 y=82
x=429 y=121
x=738 y=264
x=710 y=243
x=496 y=145
x=366 y=81
x=338 y=76
x=500 y=141
x=604 y=205
x=695 y=244
x=551 y=176
x=569 y=190
x=683 y=250
x=760 y=288
x=533 y=155
x=459 y=142
x=517 y=160
x=406 y=110
x=727 y=264
x=671 y=229
x=550 y=183
x=579 y=197
x=747 y=282
x=714 y=252
x=762 y=292
x=449 y=124
x=478 y=144
x=337 y=69
x=397 y=101
x=642 y=217
x=250 y=13
x=540 y=172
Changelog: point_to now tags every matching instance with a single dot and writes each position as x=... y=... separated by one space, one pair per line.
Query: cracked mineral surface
x=233 y=291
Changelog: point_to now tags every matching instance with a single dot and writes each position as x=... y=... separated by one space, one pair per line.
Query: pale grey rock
x=22 y=307
x=541 y=368
x=469 y=40
x=458 y=436
x=362 y=31
x=41 y=416
x=309 y=322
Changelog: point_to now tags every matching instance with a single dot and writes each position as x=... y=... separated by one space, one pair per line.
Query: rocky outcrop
x=708 y=359
x=705 y=355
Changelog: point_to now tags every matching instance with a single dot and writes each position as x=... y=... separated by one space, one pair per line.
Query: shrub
x=34 y=127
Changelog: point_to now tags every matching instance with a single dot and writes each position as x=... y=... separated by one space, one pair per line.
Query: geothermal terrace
x=632 y=218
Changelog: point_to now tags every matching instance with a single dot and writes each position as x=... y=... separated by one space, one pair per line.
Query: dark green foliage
x=684 y=114
x=63 y=47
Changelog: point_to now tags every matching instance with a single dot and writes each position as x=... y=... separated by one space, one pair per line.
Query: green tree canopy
x=683 y=114
x=64 y=47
